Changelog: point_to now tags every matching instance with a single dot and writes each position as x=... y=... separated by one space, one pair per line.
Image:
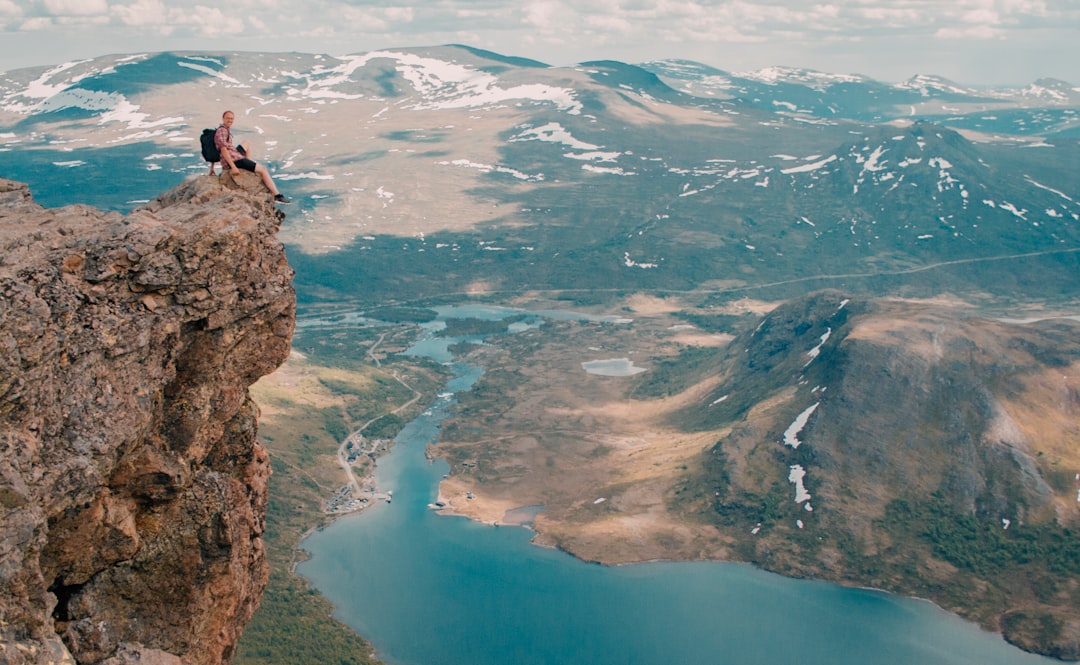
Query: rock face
x=132 y=487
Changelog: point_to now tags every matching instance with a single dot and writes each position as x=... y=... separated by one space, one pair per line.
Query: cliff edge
x=132 y=487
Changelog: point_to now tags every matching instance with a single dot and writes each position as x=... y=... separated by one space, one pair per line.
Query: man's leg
x=267 y=180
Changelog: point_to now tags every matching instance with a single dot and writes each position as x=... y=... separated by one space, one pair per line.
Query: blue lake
x=428 y=589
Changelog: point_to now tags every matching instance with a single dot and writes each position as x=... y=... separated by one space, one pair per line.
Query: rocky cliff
x=132 y=486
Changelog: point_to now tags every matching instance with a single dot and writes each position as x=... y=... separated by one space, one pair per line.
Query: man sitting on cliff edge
x=232 y=158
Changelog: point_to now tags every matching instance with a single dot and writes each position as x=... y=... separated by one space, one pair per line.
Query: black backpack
x=210 y=151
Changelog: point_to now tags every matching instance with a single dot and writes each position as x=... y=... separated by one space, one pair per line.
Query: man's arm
x=226 y=157
x=222 y=142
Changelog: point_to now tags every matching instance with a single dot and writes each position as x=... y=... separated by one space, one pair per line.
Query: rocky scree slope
x=132 y=487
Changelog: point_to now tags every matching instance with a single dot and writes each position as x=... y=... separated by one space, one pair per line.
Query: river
x=428 y=589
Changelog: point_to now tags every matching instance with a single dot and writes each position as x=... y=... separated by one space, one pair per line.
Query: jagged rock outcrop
x=132 y=487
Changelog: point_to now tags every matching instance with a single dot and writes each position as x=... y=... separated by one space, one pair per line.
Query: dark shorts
x=245 y=163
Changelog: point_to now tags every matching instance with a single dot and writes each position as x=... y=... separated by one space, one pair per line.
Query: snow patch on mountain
x=815 y=80
x=796 y=474
x=54 y=91
x=492 y=168
x=440 y=85
x=553 y=132
x=630 y=263
x=594 y=156
x=209 y=71
x=873 y=162
x=1049 y=189
x=946 y=180
x=1017 y=212
x=78 y=98
x=813 y=166
x=42 y=88
x=607 y=170
x=308 y=175
x=816 y=351
x=791 y=434
x=446 y=85
x=134 y=118
x=931 y=85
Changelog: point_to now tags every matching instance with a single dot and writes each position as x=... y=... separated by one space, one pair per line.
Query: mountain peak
x=933 y=86
x=808 y=77
x=894 y=413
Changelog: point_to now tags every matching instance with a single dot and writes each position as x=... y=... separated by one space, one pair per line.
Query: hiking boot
x=280 y=198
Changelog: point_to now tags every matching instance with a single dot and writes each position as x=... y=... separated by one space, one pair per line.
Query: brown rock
x=243 y=180
x=132 y=486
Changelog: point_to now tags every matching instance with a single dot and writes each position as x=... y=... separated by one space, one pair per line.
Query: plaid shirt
x=223 y=141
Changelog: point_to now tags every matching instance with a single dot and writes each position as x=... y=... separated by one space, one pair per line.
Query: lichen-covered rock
x=132 y=487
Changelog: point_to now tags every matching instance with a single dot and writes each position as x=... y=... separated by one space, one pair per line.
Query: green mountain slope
x=906 y=447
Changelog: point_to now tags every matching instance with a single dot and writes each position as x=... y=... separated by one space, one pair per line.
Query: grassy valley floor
x=552 y=423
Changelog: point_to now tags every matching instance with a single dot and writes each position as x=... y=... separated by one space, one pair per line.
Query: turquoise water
x=428 y=589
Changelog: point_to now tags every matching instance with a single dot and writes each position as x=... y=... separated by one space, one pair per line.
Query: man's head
x=227 y=118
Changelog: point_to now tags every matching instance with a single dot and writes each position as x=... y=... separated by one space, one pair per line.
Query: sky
x=975 y=42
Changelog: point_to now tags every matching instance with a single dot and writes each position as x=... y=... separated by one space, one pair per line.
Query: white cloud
x=9 y=9
x=76 y=7
x=200 y=19
x=892 y=16
x=827 y=10
x=890 y=39
x=981 y=16
x=37 y=23
x=210 y=21
x=399 y=14
x=366 y=20
x=969 y=32
x=1022 y=6
x=82 y=21
x=548 y=15
x=615 y=24
x=142 y=12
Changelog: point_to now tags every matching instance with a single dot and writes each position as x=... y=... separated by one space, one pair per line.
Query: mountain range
x=668 y=175
x=895 y=263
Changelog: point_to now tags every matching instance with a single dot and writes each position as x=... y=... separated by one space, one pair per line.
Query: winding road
x=357 y=437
